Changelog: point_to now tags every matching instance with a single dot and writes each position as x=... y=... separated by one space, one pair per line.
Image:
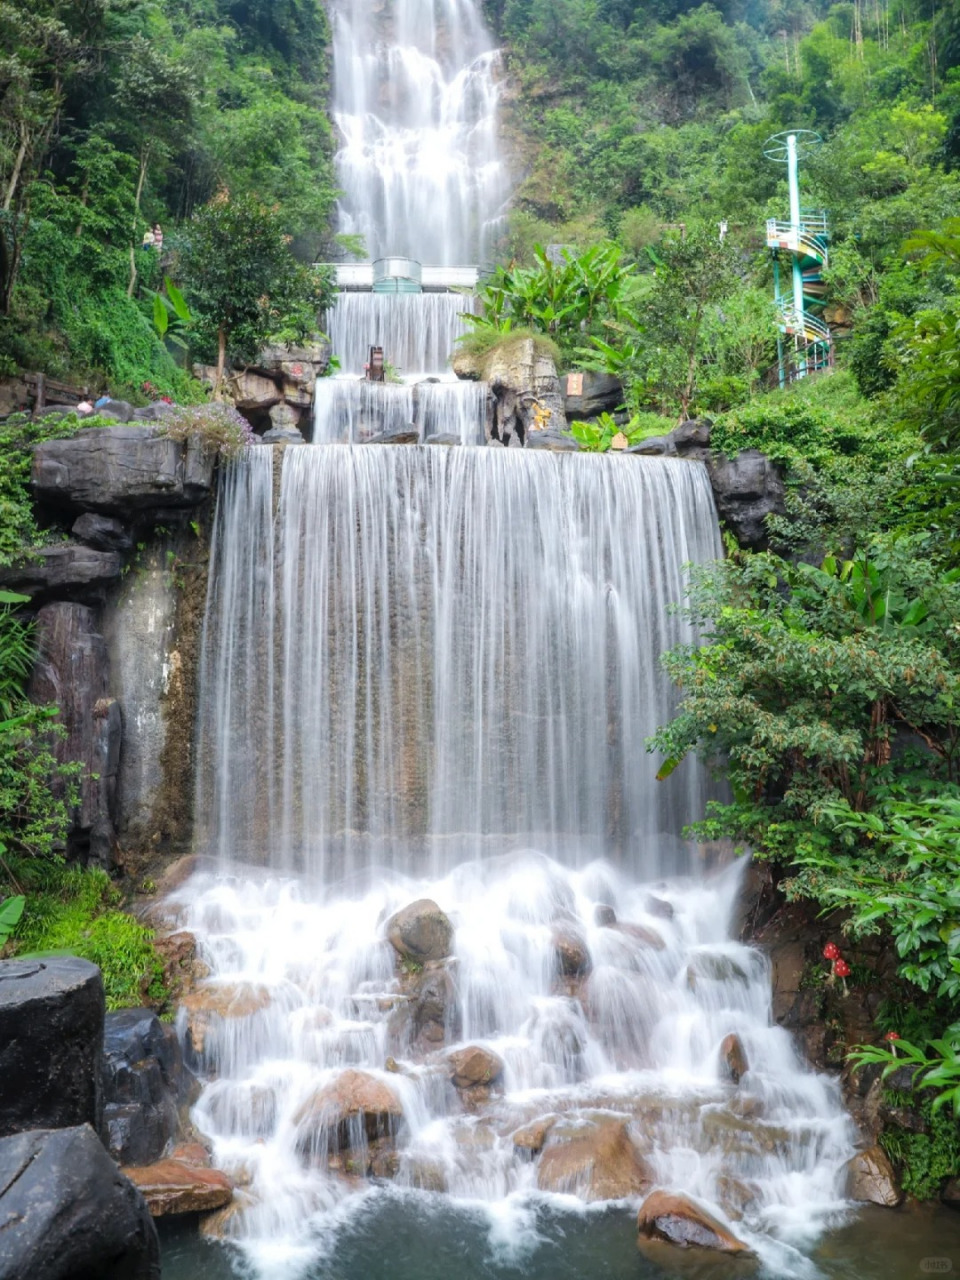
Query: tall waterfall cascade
x=427 y=680
x=415 y=95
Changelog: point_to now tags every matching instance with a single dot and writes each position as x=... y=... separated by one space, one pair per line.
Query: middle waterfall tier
x=440 y=649
x=354 y=411
x=418 y=332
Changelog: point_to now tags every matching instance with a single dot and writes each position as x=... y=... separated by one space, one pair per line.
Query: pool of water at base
x=412 y=1236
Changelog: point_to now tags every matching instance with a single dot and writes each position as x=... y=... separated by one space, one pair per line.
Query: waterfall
x=427 y=678
x=417 y=331
x=458 y=648
x=428 y=673
x=415 y=101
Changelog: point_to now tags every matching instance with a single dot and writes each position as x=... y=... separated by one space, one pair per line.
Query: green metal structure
x=804 y=344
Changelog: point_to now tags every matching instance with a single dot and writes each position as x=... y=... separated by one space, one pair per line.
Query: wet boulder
x=588 y=394
x=595 y=1159
x=144 y=1085
x=604 y=915
x=355 y=1108
x=871 y=1179
x=675 y=1218
x=51 y=1043
x=420 y=932
x=181 y=1186
x=103 y=533
x=572 y=952
x=733 y=1058
x=207 y=1007
x=640 y=933
x=473 y=1066
x=532 y=1138
x=68 y=1213
x=428 y=1015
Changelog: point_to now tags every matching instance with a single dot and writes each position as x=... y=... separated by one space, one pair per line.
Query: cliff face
x=118 y=605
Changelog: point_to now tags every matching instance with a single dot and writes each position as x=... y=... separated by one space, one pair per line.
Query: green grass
x=75 y=912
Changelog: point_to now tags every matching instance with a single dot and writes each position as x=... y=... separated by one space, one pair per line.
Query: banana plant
x=172 y=318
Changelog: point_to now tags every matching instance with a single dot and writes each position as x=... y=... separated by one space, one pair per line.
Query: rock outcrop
x=51 y=1044
x=67 y=1212
x=587 y=395
x=528 y=400
x=747 y=488
x=275 y=393
x=733 y=1058
x=474 y=1066
x=124 y=471
x=670 y=1216
x=145 y=1083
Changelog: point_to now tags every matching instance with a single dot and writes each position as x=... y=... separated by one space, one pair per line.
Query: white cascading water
x=430 y=675
x=415 y=94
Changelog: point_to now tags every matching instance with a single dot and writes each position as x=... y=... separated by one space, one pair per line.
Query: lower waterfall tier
x=558 y=1034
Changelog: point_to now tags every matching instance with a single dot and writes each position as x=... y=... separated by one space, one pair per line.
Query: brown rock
x=871 y=1179
x=474 y=1065
x=573 y=955
x=670 y=1216
x=355 y=1107
x=733 y=1058
x=595 y=1161
x=171 y=1186
x=224 y=1000
x=420 y=932
x=251 y=391
x=532 y=1137
x=193 y=1154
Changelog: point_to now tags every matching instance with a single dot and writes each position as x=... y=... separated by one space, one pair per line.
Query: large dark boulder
x=103 y=533
x=68 y=1213
x=598 y=393
x=124 y=471
x=65 y=571
x=51 y=1044
x=72 y=671
x=747 y=488
x=144 y=1085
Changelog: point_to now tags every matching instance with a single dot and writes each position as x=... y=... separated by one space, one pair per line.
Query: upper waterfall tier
x=445 y=651
x=415 y=100
x=417 y=331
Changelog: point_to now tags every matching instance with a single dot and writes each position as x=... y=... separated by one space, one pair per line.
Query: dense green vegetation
x=118 y=114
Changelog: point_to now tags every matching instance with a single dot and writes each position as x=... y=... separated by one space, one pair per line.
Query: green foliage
x=11 y=909
x=562 y=299
x=242 y=281
x=598 y=436
x=18 y=435
x=76 y=911
x=926 y=1159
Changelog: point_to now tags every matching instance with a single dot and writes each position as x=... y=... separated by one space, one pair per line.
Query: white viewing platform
x=361 y=277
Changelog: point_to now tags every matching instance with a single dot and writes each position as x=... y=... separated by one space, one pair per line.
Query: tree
x=243 y=283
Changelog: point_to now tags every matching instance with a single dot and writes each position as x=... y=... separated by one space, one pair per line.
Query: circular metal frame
x=775 y=147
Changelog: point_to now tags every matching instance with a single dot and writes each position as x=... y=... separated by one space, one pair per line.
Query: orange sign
x=574 y=384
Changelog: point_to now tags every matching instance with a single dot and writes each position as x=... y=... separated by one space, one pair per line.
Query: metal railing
x=363 y=275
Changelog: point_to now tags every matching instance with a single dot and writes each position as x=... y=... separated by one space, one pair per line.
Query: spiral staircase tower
x=804 y=343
